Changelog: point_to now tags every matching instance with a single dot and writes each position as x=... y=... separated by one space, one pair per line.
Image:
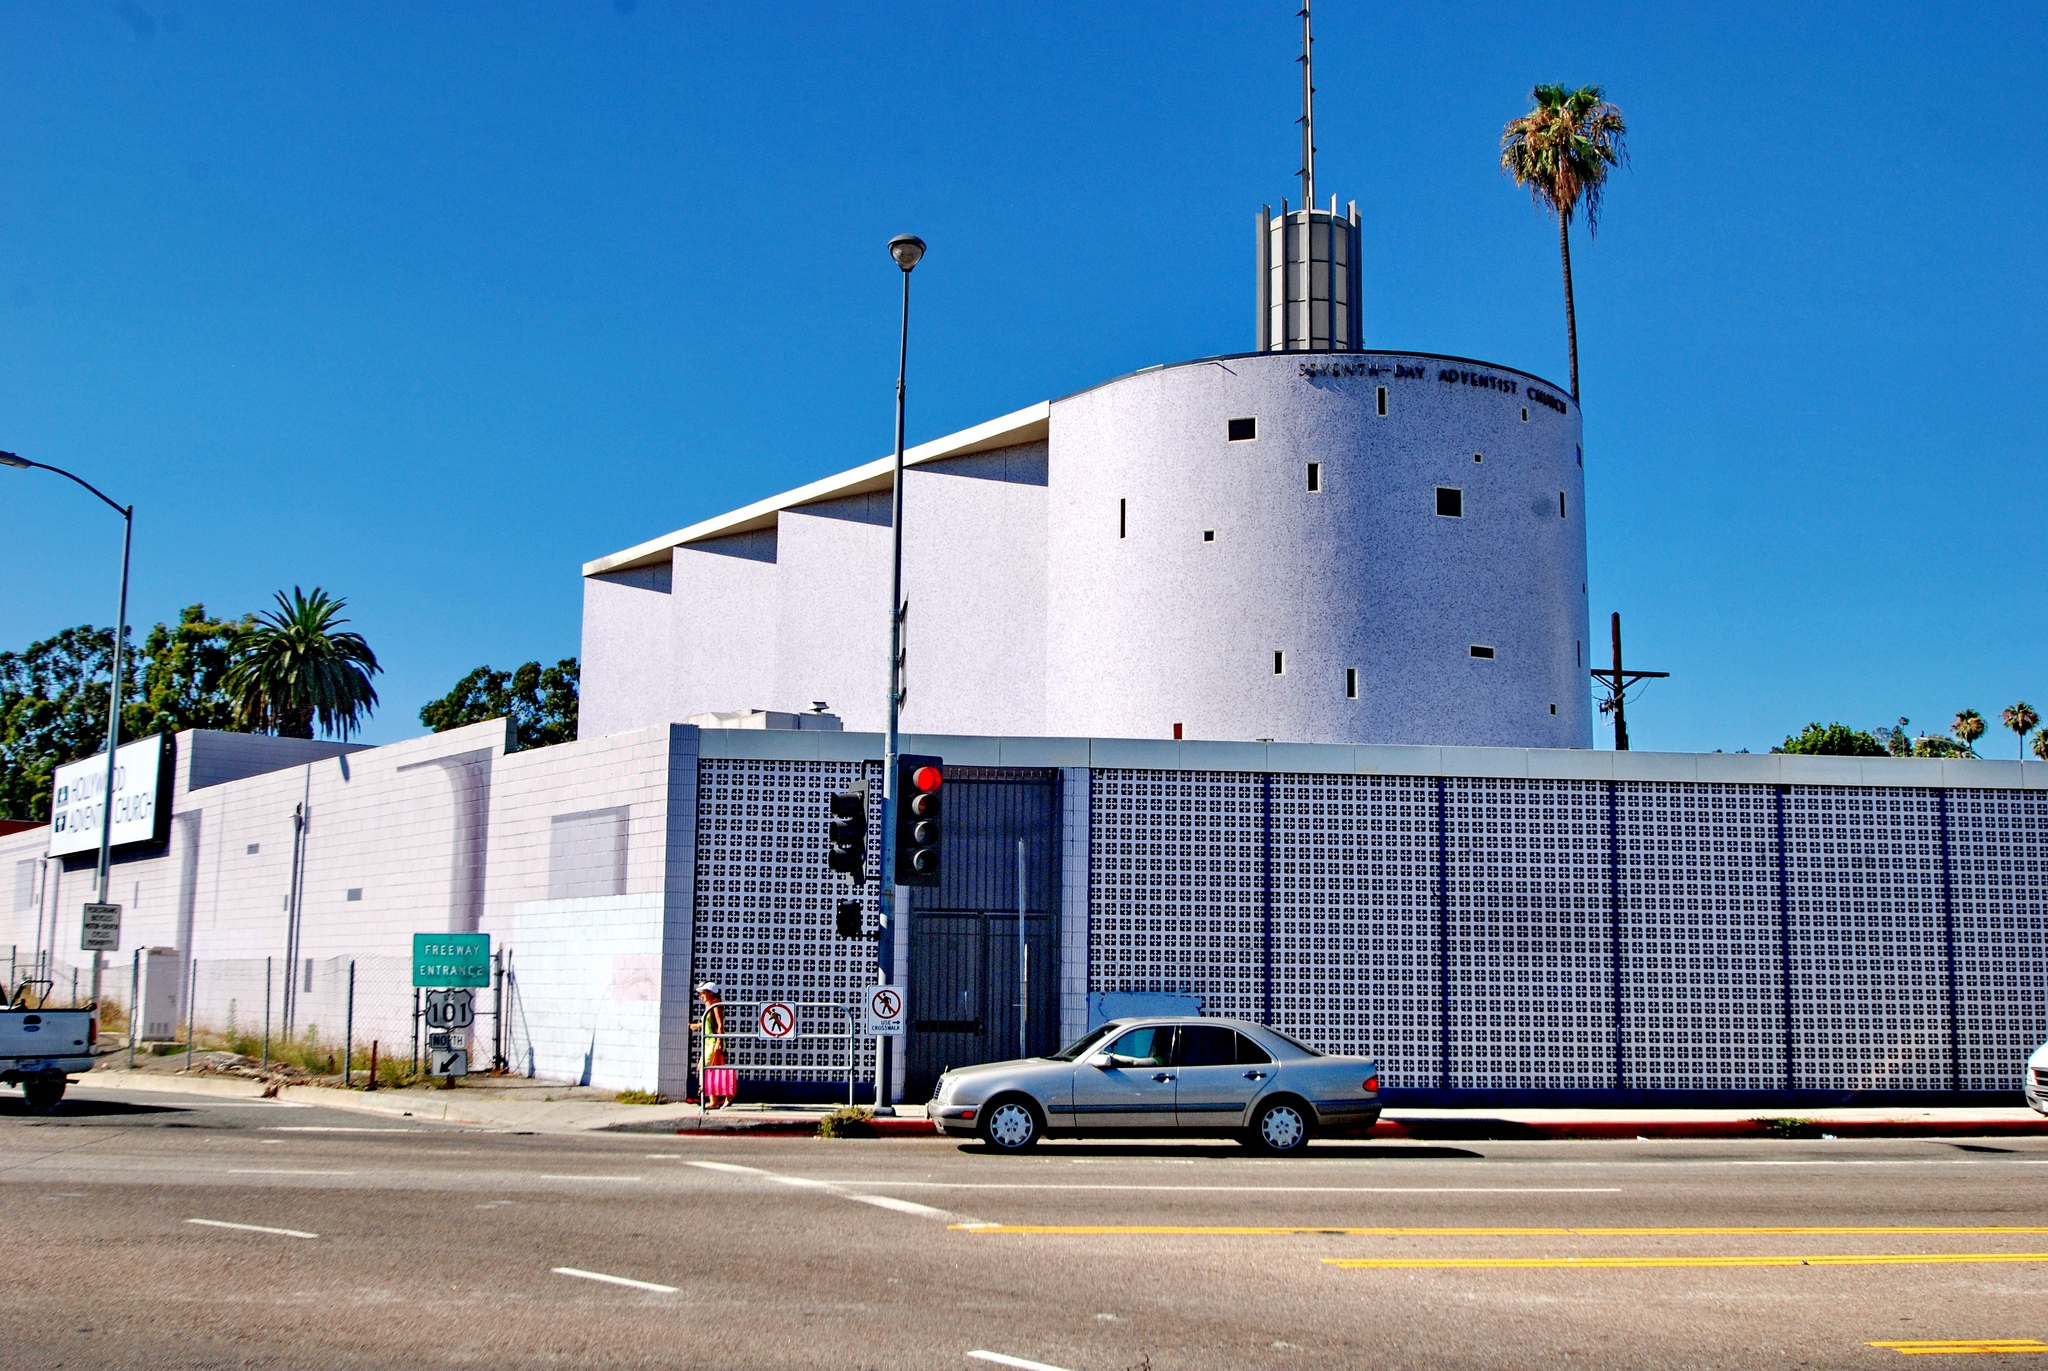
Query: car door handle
x=1163 y=1076
x=1255 y=1075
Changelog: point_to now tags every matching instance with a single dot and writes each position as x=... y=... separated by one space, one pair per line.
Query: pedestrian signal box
x=850 y=919
x=919 y=818
x=847 y=833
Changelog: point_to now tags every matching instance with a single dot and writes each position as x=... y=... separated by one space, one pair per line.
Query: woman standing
x=712 y=1026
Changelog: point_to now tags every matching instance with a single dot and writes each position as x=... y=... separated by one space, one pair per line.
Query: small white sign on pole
x=100 y=928
x=778 y=1021
x=884 y=1011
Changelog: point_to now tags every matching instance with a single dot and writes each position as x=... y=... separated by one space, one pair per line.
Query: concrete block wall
x=585 y=997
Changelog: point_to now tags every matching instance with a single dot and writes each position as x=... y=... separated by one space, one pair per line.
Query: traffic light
x=847 y=833
x=849 y=919
x=916 y=795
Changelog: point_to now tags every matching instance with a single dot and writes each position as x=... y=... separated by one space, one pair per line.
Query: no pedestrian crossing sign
x=451 y=959
x=885 y=1012
x=778 y=1021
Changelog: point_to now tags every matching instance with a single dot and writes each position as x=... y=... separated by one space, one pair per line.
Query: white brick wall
x=586 y=996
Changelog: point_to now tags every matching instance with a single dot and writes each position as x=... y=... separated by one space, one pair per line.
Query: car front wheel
x=1010 y=1125
x=1281 y=1127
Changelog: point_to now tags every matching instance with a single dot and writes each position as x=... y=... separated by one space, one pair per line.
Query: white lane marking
x=252 y=1228
x=1001 y=1360
x=282 y=1171
x=614 y=1280
x=546 y=1177
x=336 y=1128
x=922 y=1211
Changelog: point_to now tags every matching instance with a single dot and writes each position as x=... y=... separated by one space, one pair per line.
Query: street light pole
x=908 y=250
x=127 y=513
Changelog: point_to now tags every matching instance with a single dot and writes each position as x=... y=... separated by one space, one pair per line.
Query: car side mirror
x=1102 y=1061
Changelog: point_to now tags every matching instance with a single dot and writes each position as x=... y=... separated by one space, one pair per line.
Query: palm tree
x=292 y=670
x=1561 y=150
x=2041 y=745
x=2021 y=718
x=1969 y=726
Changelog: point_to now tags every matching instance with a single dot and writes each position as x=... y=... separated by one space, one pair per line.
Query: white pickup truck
x=40 y=1046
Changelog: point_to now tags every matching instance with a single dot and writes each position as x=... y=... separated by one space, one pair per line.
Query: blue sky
x=429 y=304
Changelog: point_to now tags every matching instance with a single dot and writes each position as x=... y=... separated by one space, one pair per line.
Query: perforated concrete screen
x=765 y=905
x=1485 y=933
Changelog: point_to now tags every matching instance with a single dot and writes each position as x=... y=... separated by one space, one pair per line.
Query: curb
x=1508 y=1130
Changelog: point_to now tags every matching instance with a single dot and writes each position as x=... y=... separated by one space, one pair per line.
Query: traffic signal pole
x=907 y=251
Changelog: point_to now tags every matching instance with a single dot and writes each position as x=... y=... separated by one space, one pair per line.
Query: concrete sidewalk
x=516 y=1105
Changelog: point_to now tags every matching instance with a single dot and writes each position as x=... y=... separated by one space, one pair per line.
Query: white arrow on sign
x=778 y=1021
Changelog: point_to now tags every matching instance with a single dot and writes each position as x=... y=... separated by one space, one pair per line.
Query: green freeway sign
x=451 y=959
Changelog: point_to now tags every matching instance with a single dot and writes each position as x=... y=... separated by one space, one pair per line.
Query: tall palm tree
x=2041 y=745
x=1969 y=726
x=2021 y=718
x=293 y=669
x=1562 y=150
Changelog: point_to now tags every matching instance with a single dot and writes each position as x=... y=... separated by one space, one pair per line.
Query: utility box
x=161 y=994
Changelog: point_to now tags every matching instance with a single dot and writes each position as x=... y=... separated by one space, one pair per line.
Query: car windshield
x=1074 y=1051
x=1294 y=1042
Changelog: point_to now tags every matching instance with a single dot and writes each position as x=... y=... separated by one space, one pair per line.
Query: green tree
x=1562 y=151
x=294 y=669
x=1938 y=745
x=53 y=710
x=540 y=701
x=1832 y=740
x=1897 y=741
x=1968 y=728
x=185 y=673
x=2021 y=718
x=2041 y=745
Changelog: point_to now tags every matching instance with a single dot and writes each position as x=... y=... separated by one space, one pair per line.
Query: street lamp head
x=8 y=459
x=907 y=249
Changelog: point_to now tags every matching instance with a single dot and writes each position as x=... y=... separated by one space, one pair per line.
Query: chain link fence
x=45 y=979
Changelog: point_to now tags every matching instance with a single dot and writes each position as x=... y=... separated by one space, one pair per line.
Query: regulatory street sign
x=100 y=929
x=451 y=959
x=447 y=1061
x=778 y=1021
x=450 y=1008
x=885 y=1012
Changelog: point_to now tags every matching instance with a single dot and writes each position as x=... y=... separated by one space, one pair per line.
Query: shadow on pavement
x=1227 y=1151
x=12 y=1106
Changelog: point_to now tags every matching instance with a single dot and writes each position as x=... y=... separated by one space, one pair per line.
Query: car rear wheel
x=1281 y=1127
x=43 y=1091
x=1010 y=1124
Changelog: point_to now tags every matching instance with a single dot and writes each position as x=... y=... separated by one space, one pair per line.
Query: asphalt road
x=166 y=1231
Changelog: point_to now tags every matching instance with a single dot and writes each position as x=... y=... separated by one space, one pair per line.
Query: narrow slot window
x=1560 y=504
x=1553 y=709
x=1279 y=662
x=1383 y=400
x=1176 y=727
x=1450 y=502
x=1525 y=414
x=1350 y=682
x=1123 y=520
x=1315 y=476
x=1243 y=430
x=1481 y=651
x=1582 y=454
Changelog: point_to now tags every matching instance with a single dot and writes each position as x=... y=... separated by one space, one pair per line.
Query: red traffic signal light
x=916 y=799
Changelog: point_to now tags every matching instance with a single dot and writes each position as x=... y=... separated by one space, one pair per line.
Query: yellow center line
x=1964 y=1345
x=1823 y=1259
x=1285 y=1231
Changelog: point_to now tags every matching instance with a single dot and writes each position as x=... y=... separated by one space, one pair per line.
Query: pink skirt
x=720 y=1082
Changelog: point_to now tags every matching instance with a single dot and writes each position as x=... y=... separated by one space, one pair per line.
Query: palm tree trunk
x=1571 y=318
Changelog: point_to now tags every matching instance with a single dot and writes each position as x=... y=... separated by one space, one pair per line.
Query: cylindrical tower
x=1329 y=548
x=1312 y=310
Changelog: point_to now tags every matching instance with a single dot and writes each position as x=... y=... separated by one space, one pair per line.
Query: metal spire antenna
x=1308 y=180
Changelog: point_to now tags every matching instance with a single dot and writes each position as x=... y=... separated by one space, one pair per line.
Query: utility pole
x=1616 y=682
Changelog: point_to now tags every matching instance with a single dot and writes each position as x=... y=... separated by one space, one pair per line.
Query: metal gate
x=964 y=978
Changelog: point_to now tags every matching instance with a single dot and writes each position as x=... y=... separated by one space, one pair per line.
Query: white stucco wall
x=1162 y=626
x=628 y=657
x=832 y=610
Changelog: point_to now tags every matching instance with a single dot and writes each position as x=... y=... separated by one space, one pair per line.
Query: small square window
x=255 y=848
x=355 y=892
x=1243 y=430
x=1315 y=476
x=1478 y=456
x=1350 y=682
x=1450 y=502
x=1383 y=399
x=1279 y=662
x=1208 y=535
x=1483 y=653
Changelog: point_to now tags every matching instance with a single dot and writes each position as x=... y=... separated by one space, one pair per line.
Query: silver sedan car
x=1183 y=1077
